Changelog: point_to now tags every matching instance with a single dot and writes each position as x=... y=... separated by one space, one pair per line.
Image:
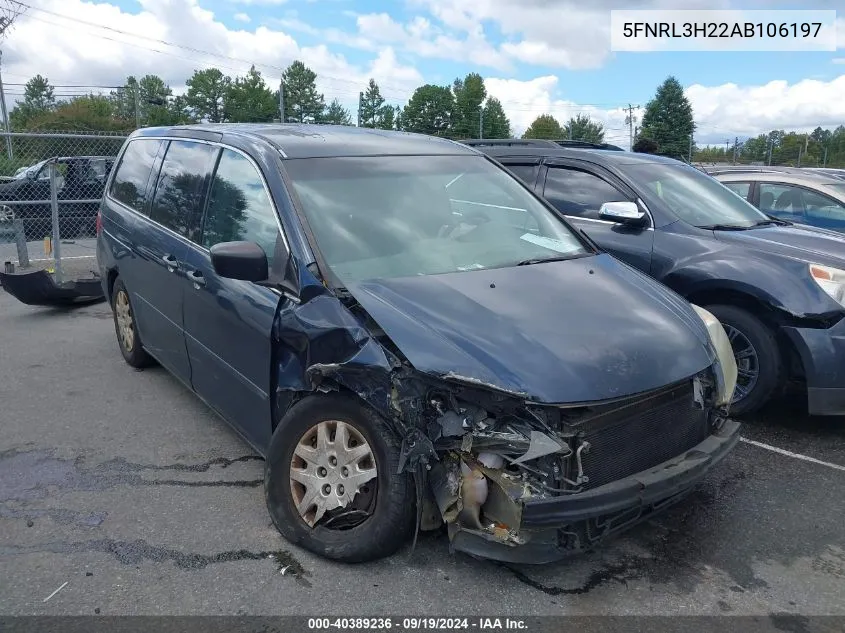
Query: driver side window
x=579 y=193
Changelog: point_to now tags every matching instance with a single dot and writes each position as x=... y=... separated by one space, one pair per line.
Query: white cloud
x=70 y=52
x=720 y=111
x=752 y=110
x=524 y=101
x=241 y=17
x=838 y=60
x=421 y=37
x=259 y=2
x=568 y=34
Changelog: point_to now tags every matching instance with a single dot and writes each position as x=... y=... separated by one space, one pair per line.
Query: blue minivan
x=410 y=337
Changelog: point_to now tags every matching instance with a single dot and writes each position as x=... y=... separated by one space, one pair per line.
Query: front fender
x=782 y=285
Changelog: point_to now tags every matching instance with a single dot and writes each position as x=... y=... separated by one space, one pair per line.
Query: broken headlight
x=726 y=370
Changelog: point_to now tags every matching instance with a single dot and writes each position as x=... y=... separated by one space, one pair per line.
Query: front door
x=579 y=193
x=228 y=323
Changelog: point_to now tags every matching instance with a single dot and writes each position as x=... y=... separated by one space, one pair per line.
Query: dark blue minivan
x=410 y=337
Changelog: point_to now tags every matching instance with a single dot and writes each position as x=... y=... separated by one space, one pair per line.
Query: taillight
x=99 y=221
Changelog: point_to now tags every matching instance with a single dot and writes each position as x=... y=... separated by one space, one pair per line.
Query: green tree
x=249 y=100
x=645 y=145
x=154 y=95
x=496 y=123
x=387 y=118
x=371 y=106
x=668 y=119
x=544 y=126
x=336 y=114
x=37 y=99
x=429 y=111
x=126 y=100
x=470 y=93
x=582 y=128
x=179 y=111
x=206 y=94
x=302 y=101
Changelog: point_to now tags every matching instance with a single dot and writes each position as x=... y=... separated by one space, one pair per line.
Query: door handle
x=196 y=277
x=170 y=261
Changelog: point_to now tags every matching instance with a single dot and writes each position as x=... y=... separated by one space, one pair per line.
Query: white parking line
x=781 y=451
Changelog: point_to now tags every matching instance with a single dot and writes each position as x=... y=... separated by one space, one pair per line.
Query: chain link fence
x=50 y=191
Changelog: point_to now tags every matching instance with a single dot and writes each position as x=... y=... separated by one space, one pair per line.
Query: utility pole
x=3 y=107
x=736 y=147
x=360 y=103
x=481 y=122
x=282 y=100
x=630 y=120
x=690 y=149
x=771 y=148
x=137 y=105
x=824 y=161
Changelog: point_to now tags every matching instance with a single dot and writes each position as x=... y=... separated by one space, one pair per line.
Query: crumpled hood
x=560 y=332
x=799 y=241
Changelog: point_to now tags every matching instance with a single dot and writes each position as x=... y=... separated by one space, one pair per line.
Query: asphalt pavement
x=123 y=491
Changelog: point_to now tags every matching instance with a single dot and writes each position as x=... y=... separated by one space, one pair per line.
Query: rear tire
x=388 y=519
x=126 y=328
x=757 y=357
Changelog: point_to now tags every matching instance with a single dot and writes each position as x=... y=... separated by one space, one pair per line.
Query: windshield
x=397 y=216
x=692 y=196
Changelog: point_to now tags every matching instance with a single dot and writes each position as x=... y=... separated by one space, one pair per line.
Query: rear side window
x=239 y=208
x=739 y=188
x=130 y=181
x=182 y=181
x=579 y=193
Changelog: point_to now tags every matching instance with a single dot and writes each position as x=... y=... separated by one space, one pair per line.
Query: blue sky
x=536 y=55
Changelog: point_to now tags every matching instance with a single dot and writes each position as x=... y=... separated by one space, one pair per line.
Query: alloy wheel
x=747 y=363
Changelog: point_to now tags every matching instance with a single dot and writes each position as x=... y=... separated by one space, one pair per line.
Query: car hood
x=797 y=241
x=559 y=332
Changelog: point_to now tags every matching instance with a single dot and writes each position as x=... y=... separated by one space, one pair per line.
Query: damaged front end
x=524 y=482
x=512 y=479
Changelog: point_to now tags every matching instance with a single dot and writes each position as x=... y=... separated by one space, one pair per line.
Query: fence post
x=20 y=243
x=54 y=205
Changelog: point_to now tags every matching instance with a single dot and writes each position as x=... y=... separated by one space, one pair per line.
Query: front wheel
x=331 y=481
x=758 y=359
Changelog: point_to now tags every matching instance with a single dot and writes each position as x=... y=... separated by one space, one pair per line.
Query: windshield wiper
x=543 y=260
x=773 y=222
x=725 y=227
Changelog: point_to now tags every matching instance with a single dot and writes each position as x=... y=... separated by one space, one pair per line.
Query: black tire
x=134 y=355
x=391 y=521
x=769 y=361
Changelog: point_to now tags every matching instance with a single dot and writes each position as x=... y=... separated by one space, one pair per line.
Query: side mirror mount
x=245 y=261
x=627 y=213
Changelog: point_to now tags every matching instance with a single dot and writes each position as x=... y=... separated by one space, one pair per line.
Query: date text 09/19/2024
x=416 y=623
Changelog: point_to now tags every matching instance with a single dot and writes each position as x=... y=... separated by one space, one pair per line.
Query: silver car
x=794 y=194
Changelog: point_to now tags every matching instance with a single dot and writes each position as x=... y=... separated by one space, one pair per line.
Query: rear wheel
x=758 y=359
x=331 y=481
x=126 y=328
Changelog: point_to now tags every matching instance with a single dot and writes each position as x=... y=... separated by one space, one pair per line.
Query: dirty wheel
x=331 y=484
x=126 y=329
x=757 y=358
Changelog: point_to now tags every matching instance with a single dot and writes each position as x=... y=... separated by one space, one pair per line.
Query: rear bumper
x=565 y=525
x=822 y=354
